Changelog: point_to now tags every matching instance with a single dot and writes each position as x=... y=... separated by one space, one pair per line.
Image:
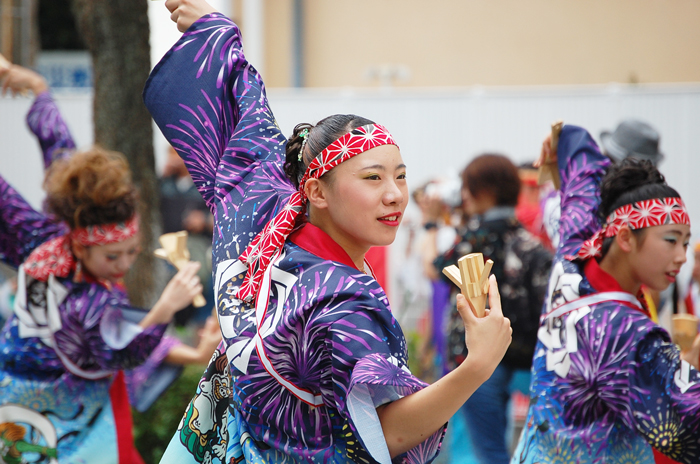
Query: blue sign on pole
x=66 y=69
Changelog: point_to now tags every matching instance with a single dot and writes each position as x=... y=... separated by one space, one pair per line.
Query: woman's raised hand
x=185 y=12
x=20 y=80
x=546 y=154
x=487 y=338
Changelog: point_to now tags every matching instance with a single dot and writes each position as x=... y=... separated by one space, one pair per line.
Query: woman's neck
x=356 y=254
x=615 y=264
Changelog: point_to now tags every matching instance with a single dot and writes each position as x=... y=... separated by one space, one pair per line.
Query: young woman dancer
x=313 y=367
x=608 y=384
x=146 y=382
x=63 y=349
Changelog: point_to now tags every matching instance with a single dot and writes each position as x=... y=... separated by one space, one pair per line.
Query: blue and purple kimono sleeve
x=370 y=369
x=98 y=324
x=46 y=123
x=581 y=167
x=665 y=397
x=22 y=228
x=210 y=104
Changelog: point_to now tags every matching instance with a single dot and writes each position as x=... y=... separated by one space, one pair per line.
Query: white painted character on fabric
x=561 y=340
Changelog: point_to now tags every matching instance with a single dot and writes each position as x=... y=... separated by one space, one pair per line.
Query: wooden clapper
x=550 y=168
x=472 y=277
x=176 y=253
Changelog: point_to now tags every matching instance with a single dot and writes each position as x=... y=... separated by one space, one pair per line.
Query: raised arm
x=44 y=119
x=210 y=103
x=581 y=167
x=22 y=228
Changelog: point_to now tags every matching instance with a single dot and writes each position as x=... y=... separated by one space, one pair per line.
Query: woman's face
x=365 y=200
x=659 y=254
x=109 y=262
x=477 y=205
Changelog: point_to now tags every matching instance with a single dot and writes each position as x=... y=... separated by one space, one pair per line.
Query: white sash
x=592 y=299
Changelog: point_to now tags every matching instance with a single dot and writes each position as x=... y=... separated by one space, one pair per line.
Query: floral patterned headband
x=267 y=245
x=639 y=215
x=55 y=256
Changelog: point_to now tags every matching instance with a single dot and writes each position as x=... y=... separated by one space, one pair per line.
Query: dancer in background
x=149 y=380
x=73 y=330
x=609 y=386
x=313 y=364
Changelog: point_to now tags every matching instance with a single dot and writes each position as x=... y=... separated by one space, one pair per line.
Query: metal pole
x=26 y=44
x=253 y=34
x=298 y=44
x=7 y=18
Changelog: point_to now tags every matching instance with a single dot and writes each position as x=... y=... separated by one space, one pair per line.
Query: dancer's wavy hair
x=91 y=187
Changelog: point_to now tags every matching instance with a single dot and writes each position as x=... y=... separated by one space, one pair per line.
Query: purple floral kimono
x=608 y=384
x=301 y=380
x=61 y=349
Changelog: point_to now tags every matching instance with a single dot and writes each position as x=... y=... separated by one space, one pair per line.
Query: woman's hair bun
x=294 y=166
x=630 y=181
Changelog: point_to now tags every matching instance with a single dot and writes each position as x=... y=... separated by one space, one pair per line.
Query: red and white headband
x=104 y=234
x=268 y=243
x=639 y=215
x=55 y=256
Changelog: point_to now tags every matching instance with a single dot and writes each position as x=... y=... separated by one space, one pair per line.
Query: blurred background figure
x=183 y=208
x=529 y=210
x=439 y=202
x=686 y=297
x=490 y=192
x=692 y=294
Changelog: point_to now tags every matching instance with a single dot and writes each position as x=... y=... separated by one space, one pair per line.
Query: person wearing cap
x=632 y=139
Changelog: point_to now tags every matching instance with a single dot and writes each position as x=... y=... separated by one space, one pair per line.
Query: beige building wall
x=484 y=42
